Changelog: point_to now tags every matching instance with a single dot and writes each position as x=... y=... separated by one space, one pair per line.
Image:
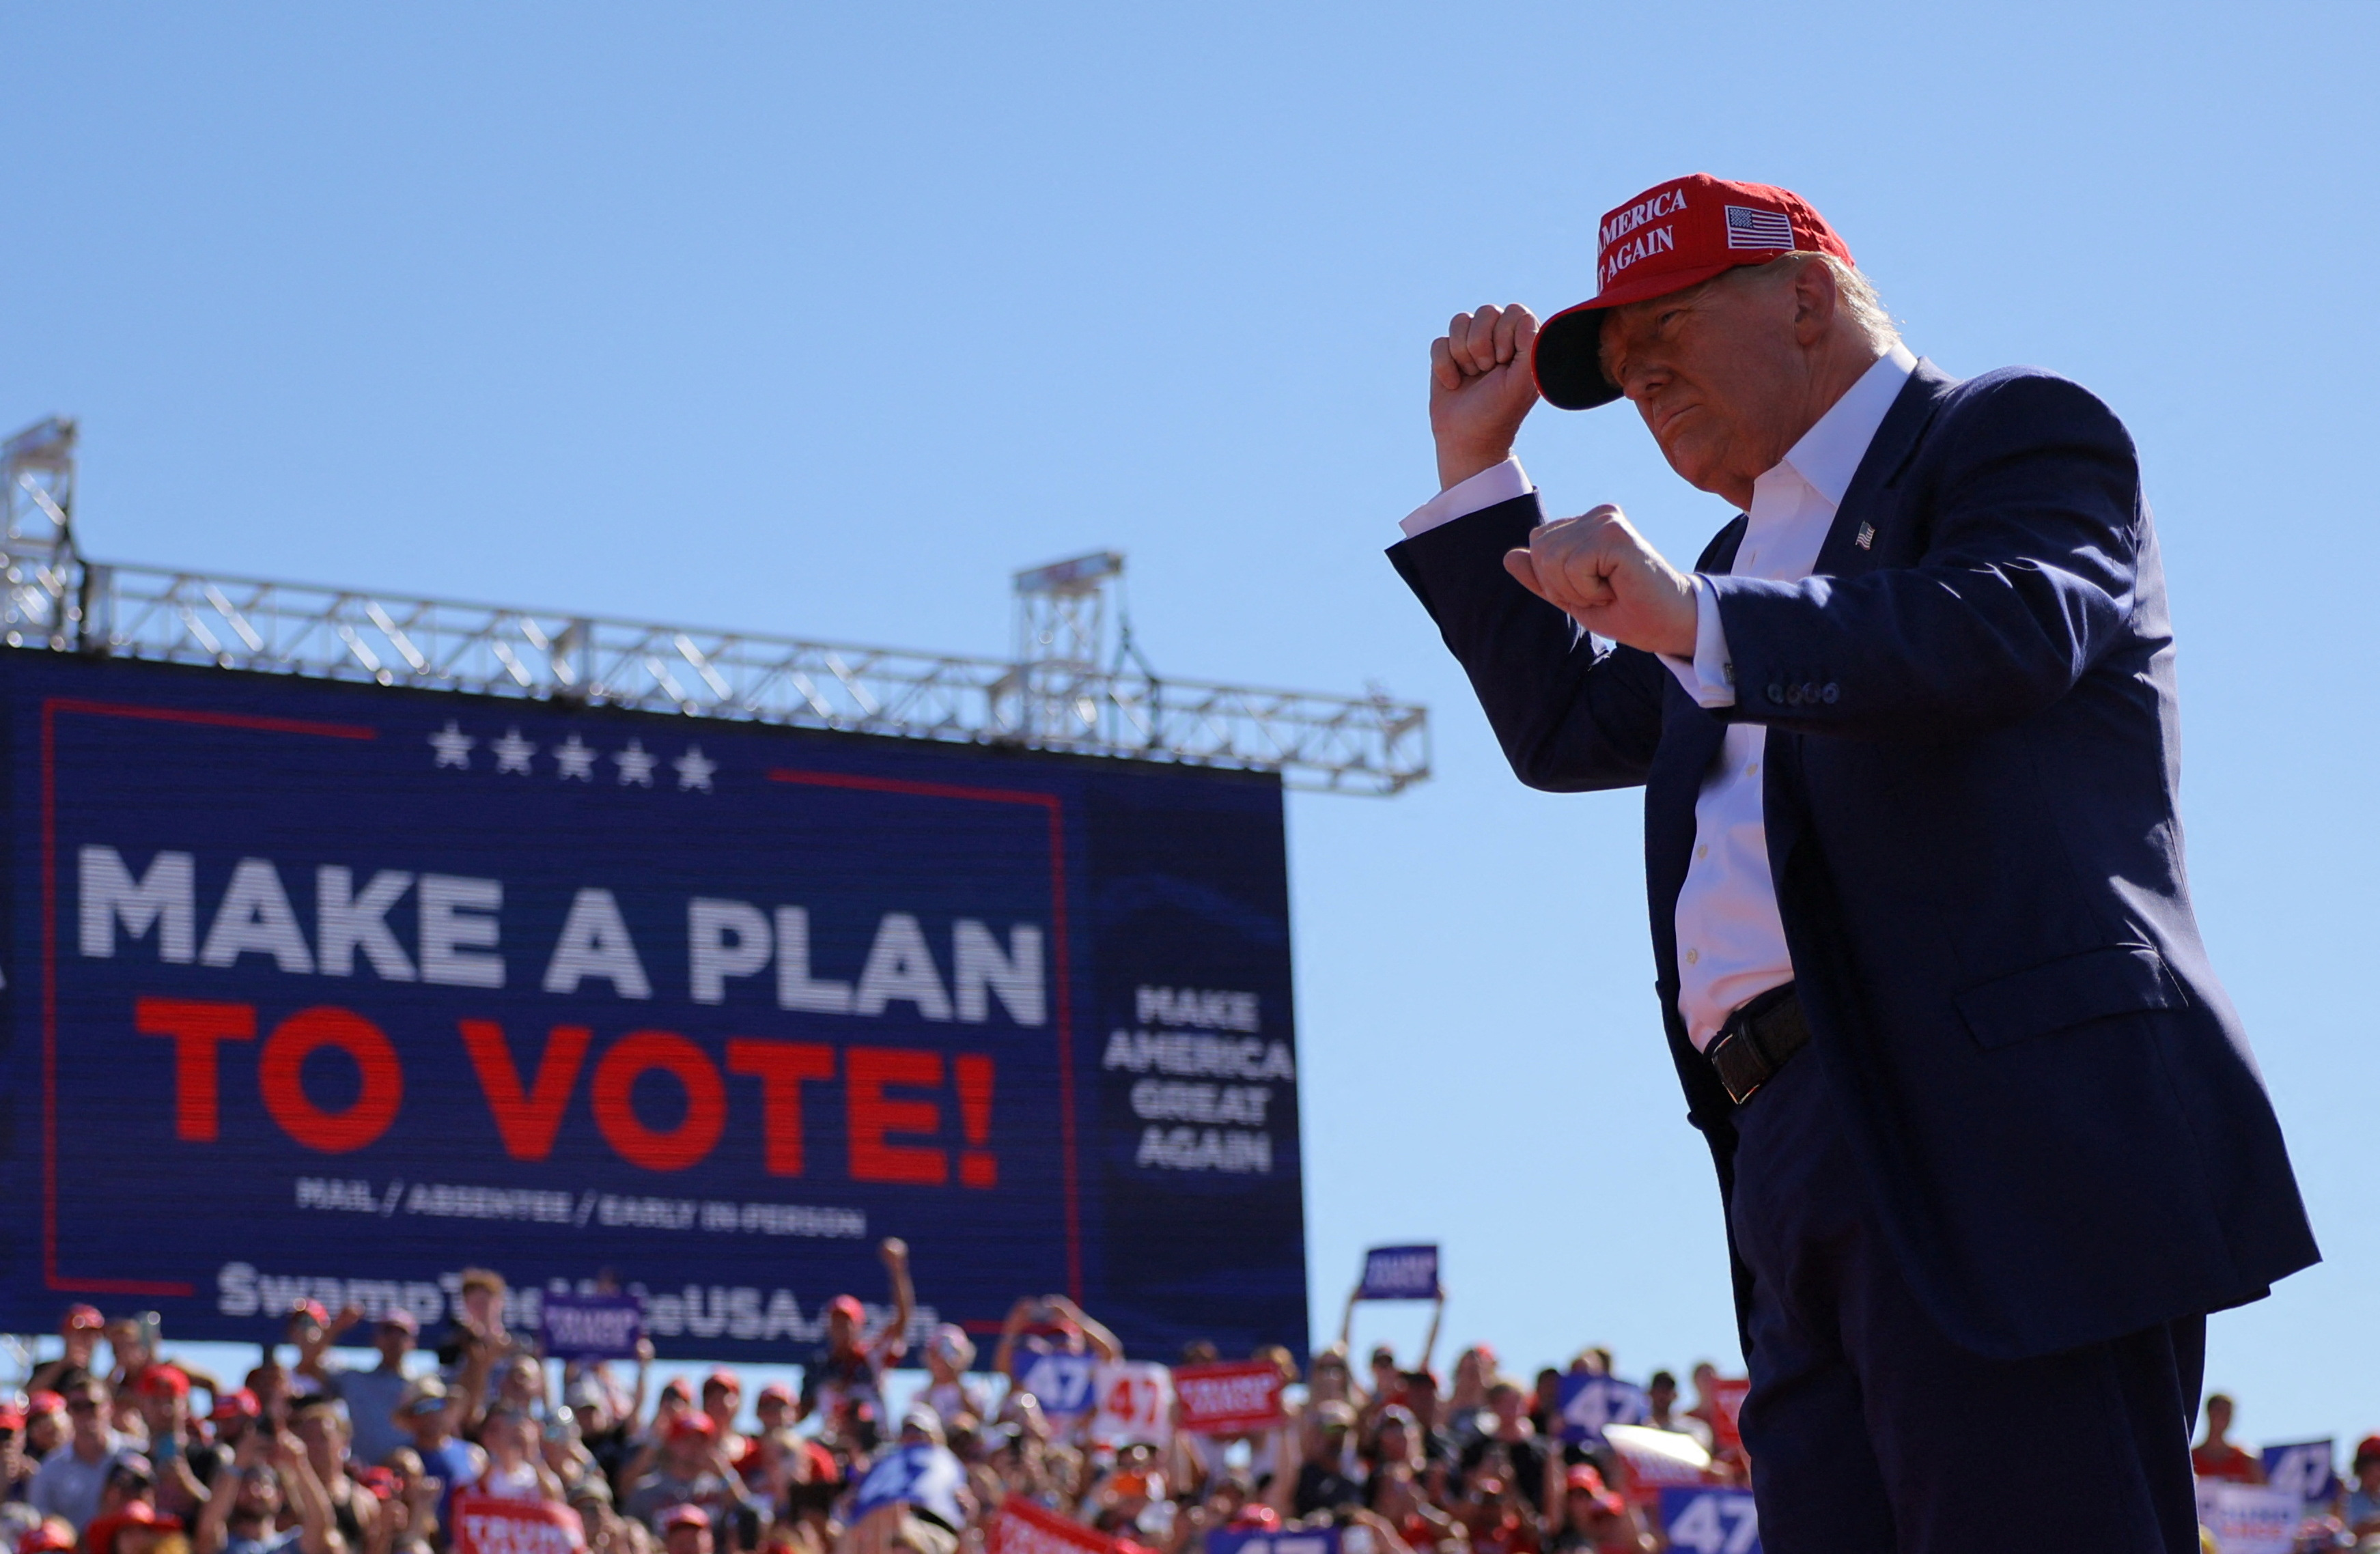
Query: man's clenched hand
x=1599 y=570
x=1480 y=389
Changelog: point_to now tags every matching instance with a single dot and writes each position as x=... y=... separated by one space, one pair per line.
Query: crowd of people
x=139 y=1453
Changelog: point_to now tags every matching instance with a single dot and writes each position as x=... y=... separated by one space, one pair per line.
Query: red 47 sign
x=1134 y=1405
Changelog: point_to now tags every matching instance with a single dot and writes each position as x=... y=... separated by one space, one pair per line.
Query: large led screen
x=330 y=992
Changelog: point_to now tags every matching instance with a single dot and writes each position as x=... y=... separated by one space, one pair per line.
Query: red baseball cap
x=696 y=1427
x=1585 y=1480
x=46 y=1402
x=684 y=1516
x=775 y=1391
x=1674 y=235
x=166 y=1381
x=83 y=1318
x=849 y=1305
x=99 y=1537
x=11 y=1416
x=51 y=1536
x=724 y=1380
x=238 y=1403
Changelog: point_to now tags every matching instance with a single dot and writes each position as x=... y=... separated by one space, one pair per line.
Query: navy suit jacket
x=1970 y=793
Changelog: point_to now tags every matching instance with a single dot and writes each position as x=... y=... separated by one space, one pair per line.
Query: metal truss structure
x=1062 y=692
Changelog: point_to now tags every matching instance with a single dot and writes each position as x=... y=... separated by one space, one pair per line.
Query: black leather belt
x=1756 y=1041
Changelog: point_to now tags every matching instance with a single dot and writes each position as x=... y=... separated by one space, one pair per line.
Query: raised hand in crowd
x=306 y=1496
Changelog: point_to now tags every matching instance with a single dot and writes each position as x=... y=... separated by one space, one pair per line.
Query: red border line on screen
x=1056 y=809
x=51 y=707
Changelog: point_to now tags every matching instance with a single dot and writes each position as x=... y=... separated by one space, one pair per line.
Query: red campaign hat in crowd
x=2368 y=1447
x=724 y=1380
x=1585 y=1480
x=48 y=1537
x=45 y=1402
x=677 y=1387
x=81 y=1318
x=312 y=1310
x=1674 y=235
x=166 y=1381
x=11 y=1416
x=698 y=1426
x=849 y=1306
x=775 y=1391
x=684 y=1516
x=136 y=1513
x=238 y=1403
x=99 y=1537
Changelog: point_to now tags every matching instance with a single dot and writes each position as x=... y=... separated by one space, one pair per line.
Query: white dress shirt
x=1730 y=941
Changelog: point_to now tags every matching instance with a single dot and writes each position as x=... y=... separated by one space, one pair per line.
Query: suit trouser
x=1872 y=1432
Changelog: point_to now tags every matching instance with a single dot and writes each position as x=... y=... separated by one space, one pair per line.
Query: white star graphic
x=636 y=766
x=694 y=770
x=454 y=746
x=575 y=757
x=513 y=752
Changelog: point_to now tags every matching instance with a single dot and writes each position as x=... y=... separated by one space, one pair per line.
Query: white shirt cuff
x=1709 y=676
x=1499 y=482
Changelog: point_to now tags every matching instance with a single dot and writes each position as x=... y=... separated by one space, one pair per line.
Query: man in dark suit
x=1989 y=1136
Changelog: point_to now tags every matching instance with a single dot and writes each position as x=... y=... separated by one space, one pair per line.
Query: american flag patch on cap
x=1749 y=228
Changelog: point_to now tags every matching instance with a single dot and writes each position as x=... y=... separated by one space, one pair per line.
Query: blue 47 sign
x=1061 y=1384
x=1710 y=1521
x=1588 y=1403
x=2306 y=1467
x=1312 y=1540
x=922 y=1475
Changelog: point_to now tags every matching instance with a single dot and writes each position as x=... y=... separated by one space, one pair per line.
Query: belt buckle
x=1737 y=1035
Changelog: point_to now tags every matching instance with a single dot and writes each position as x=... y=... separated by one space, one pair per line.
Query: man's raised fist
x=1480 y=388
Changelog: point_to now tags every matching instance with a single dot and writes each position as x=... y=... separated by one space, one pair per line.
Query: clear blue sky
x=822 y=319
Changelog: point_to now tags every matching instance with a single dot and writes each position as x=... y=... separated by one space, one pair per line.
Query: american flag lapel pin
x=1866 y=539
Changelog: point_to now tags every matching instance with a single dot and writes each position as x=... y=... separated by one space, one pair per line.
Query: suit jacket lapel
x=1894 y=440
x=1863 y=507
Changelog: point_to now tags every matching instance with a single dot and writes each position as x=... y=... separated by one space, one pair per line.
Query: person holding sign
x=1987 y=1131
x=1050 y=1348
x=1397 y=1273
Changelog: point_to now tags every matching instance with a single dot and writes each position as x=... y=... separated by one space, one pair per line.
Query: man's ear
x=1816 y=298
